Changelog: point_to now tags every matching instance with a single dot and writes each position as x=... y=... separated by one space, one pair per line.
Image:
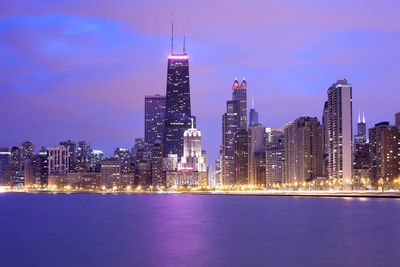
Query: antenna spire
x=359 y=116
x=252 y=102
x=172 y=33
x=363 y=117
x=184 y=40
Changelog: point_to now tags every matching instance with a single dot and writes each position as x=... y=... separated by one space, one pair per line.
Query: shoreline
x=322 y=194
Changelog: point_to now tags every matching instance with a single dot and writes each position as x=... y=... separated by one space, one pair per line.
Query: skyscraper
x=361 y=136
x=397 y=119
x=58 y=160
x=27 y=151
x=157 y=175
x=384 y=150
x=239 y=92
x=177 y=102
x=325 y=140
x=253 y=114
x=275 y=157
x=303 y=150
x=154 y=107
x=340 y=131
x=241 y=157
x=230 y=124
x=72 y=154
x=124 y=156
x=257 y=138
x=361 y=147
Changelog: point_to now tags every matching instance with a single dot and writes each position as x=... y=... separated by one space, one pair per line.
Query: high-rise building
x=157 y=174
x=192 y=159
x=177 y=102
x=230 y=124
x=83 y=156
x=138 y=150
x=253 y=114
x=58 y=160
x=4 y=160
x=325 y=140
x=361 y=136
x=154 y=107
x=340 y=131
x=96 y=156
x=241 y=157
x=111 y=172
x=274 y=157
x=397 y=119
x=27 y=151
x=239 y=92
x=72 y=154
x=124 y=156
x=40 y=167
x=303 y=150
x=192 y=169
x=361 y=147
x=257 y=138
x=384 y=150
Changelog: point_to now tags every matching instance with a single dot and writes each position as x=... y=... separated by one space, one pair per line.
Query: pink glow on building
x=178 y=57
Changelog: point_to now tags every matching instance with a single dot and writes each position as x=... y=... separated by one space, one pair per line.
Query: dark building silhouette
x=177 y=102
x=239 y=92
x=154 y=111
x=241 y=157
x=384 y=150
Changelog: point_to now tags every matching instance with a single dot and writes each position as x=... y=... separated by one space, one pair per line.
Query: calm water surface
x=197 y=230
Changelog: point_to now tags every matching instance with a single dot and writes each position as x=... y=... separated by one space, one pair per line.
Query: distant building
x=361 y=149
x=157 y=174
x=384 y=151
x=58 y=160
x=143 y=173
x=230 y=124
x=124 y=156
x=397 y=119
x=177 y=103
x=340 y=131
x=257 y=138
x=27 y=153
x=154 y=107
x=361 y=136
x=83 y=156
x=111 y=172
x=139 y=150
x=241 y=157
x=275 y=157
x=325 y=140
x=96 y=156
x=72 y=154
x=41 y=167
x=239 y=92
x=4 y=160
x=192 y=169
x=85 y=180
x=303 y=150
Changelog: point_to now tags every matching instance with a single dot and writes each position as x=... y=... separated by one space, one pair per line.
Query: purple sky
x=79 y=70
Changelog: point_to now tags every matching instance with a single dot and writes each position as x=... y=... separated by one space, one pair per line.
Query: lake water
x=197 y=230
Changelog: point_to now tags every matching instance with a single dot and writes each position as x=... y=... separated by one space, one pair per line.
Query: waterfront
x=197 y=230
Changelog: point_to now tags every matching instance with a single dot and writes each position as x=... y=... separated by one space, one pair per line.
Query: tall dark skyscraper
x=397 y=119
x=154 y=107
x=361 y=136
x=177 y=103
x=230 y=123
x=239 y=92
x=253 y=115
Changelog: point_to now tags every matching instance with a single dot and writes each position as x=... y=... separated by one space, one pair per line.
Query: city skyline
x=299 y=78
